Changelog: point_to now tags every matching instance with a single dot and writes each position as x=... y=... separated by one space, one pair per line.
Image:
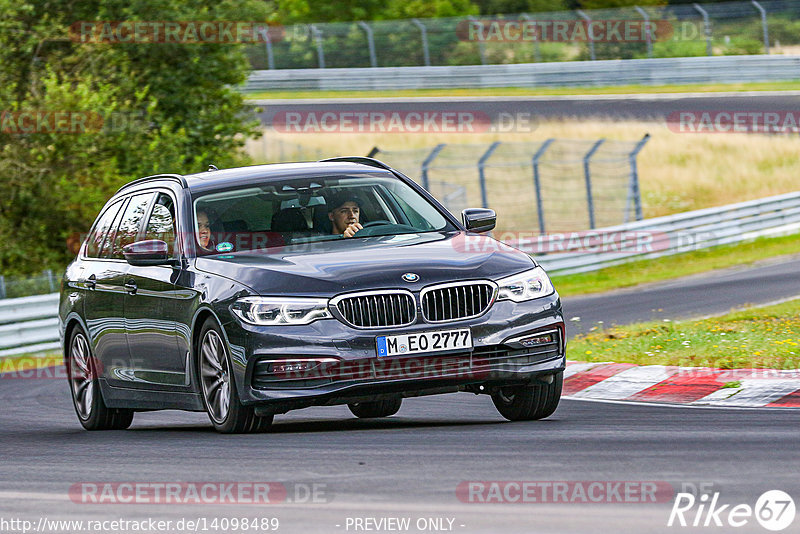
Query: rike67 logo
x=774 y=510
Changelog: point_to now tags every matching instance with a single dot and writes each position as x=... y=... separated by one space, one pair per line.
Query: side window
x=101 y=230
x=131 y=223
x=162 y=221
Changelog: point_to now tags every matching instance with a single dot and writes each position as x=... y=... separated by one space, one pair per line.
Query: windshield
x=262 y=216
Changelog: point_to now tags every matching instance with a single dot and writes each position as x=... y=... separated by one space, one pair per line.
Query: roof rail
x=372 y=162
x=175 y=177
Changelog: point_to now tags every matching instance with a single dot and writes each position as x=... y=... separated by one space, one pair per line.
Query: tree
x=160 y=107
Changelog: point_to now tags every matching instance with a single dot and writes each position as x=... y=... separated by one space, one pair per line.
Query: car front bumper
x=350 y=371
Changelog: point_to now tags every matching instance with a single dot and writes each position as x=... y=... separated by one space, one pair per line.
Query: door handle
x=131 y=287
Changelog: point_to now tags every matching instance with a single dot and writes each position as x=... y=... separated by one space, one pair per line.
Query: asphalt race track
x=406 y=466
x=712 y=293
x=410 y=465
x=639 y=106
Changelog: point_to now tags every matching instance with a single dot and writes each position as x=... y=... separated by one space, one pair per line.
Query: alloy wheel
x=81 y=376
x=215 y=376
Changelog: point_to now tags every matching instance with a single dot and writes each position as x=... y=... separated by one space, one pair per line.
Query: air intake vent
x=452 y=302
x=376 y=309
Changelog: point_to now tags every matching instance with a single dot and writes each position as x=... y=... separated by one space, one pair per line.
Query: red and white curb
x=683 y=385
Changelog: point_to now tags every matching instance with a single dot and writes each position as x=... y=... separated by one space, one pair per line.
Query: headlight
x=525 y=286
x=268 y=311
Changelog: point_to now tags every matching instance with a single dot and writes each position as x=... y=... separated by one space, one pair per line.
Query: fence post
x=427 y=162
x=2 y=286
x=647 y=30
x=373 y=152
x=482 y=174
x=268 y=43
x=373 y=59
x=424 y=33
x=588 y=177
x=707 y=26
x=317 y=33
x=589 y=32
x=481 y=43
x=537 y=53
x=633 y=189
x=537 y=183
x=50 y=280
x=764 y=26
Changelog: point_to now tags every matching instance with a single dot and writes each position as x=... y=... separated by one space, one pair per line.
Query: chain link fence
x=729 y=28
x=23 y=286
x=551 y=186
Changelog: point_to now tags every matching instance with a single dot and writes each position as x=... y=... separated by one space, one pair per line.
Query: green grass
x=658 y=269
x=26 y=362
x=532 y=91
x=757 y=338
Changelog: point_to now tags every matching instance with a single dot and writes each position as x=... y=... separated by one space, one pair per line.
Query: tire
x=218 y=387
x=381 y=408
x=87 y=399
x=531 y=402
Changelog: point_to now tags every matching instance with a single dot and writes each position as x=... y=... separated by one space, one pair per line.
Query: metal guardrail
x=30 y=324
x=659 y=71
x=665 y=236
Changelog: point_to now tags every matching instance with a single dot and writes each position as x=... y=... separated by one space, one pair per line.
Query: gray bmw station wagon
x=250 y=292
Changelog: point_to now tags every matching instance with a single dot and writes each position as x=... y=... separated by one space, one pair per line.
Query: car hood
x=332 y=267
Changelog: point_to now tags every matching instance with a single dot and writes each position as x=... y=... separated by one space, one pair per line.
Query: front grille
x=377 y=309
x=452 y=302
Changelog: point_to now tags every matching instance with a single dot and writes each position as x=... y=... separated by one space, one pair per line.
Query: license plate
x=423 y=342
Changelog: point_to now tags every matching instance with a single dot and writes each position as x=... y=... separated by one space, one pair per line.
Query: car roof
x=265 y=173
x=215 y=179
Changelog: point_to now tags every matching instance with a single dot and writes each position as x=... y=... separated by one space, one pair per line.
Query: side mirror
x=479 y=219
x=150 y=252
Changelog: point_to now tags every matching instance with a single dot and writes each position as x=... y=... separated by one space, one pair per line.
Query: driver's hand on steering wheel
x=352 y=229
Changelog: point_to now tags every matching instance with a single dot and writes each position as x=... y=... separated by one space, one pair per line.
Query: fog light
x=297 y=366
x=536 y=340
x=287 y=367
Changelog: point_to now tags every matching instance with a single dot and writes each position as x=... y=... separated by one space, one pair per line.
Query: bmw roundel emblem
x=411 y=277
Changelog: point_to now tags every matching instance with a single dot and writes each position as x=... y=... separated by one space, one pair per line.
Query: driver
x=344 y=212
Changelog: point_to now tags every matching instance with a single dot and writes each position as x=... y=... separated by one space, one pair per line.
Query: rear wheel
x=221 y=400
x=381 y=408
x=530 y=402
x=86 y=395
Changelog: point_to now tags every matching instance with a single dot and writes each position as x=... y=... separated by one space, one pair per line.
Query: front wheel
x=220 y=398
x=381 y=408
x=86 y=395
x=531 y=402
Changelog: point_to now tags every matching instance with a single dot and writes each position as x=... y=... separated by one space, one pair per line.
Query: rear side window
x=162 y=221
x=102 y=229
x=131 y=223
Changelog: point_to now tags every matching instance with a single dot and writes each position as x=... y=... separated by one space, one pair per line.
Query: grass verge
x=757 y=338
x=658 y=269
x=530 y=91
x=28 y=362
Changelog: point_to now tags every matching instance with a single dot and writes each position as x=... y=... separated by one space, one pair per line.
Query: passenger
x=344 y=212
x=204 y=229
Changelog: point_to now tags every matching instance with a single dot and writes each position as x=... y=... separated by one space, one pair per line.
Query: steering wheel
x=375 y=223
